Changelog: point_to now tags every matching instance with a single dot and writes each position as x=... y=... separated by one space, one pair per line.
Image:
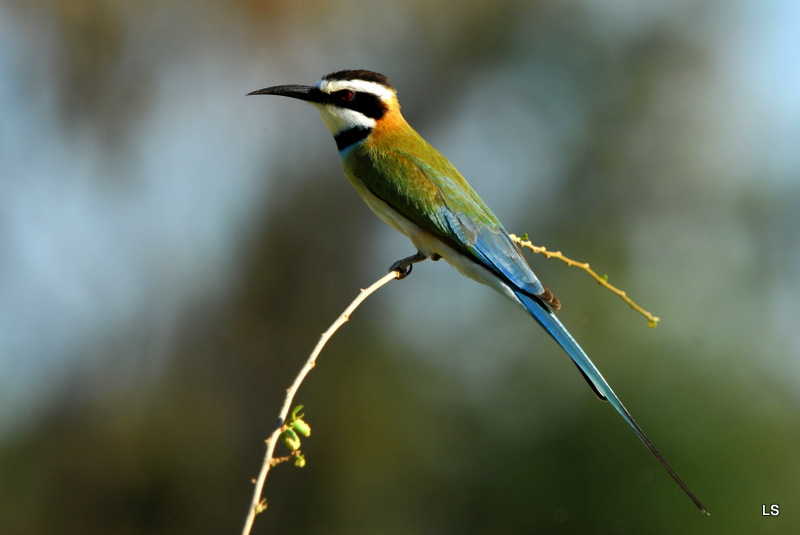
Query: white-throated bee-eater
x=413 y=188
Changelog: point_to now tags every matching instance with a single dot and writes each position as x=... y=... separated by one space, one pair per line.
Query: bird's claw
x=403 y=269
x=404 y=266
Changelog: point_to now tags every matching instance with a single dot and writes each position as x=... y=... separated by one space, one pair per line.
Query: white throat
x=340 y=119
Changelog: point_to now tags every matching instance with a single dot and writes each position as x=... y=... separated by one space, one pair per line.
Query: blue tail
x=545 y=317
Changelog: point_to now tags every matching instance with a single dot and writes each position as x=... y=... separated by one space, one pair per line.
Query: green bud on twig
x=302 y=427
x=291 y=439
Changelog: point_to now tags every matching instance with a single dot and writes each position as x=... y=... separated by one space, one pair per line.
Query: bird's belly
x=467 y=266
x=424 y=241
x=430 y=245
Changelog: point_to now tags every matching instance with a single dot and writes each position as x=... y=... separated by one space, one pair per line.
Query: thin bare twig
x=258 y=504
x=652 y=320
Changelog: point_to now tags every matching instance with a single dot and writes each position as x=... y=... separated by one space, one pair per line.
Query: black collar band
x=351 y=136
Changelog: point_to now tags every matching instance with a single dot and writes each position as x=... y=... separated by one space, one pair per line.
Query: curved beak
x=300 y=92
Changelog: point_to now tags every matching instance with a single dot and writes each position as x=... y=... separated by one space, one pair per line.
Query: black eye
x=344 y=95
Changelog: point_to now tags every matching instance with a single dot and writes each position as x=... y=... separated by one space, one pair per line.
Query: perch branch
x=258 y=504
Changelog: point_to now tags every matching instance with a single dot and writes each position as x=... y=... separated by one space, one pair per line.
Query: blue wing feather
x=493 y=248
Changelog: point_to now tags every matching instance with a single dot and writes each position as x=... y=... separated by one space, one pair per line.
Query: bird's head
x=345 y=99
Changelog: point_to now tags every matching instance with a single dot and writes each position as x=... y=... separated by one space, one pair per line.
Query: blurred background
x=170 y=252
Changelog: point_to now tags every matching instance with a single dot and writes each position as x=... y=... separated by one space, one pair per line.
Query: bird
x=411 y=186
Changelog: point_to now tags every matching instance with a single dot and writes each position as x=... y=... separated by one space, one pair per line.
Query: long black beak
x=300 y=92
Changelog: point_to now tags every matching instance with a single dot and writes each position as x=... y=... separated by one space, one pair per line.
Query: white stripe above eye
x=331 y=86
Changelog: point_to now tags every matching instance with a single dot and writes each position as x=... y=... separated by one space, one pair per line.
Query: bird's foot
x=404 y=266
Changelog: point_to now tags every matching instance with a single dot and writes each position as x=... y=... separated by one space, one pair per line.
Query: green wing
x=433 y=195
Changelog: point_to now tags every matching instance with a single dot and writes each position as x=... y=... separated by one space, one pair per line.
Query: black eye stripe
x=367 y=103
